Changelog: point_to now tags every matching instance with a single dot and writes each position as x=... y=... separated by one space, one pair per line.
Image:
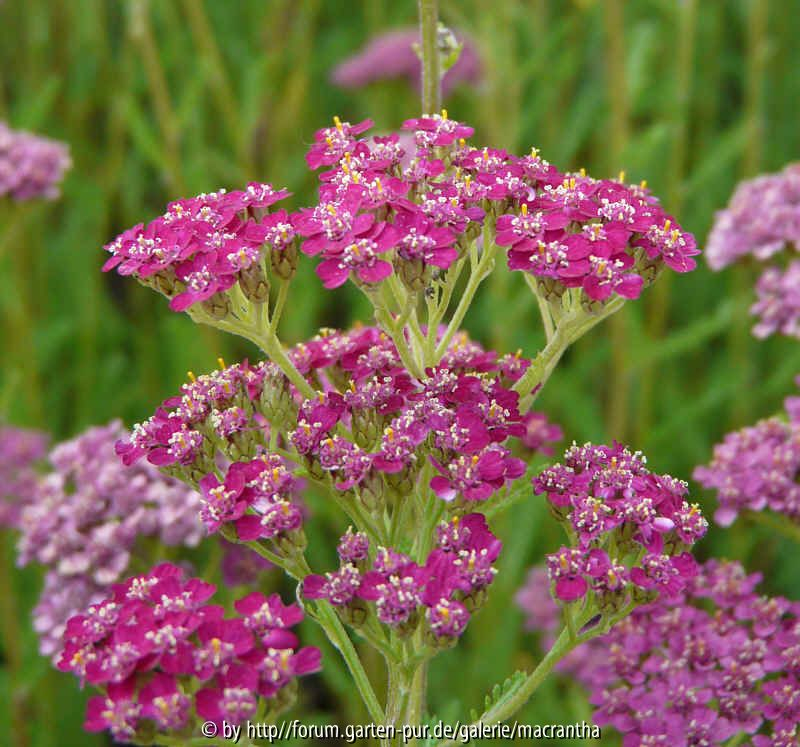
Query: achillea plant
x=410 y=428
x=415 y=434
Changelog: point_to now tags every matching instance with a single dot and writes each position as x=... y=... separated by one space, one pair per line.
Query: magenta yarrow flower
x=612 y=503
x=150 y=645
x=201 y=247
x=382 y=211
x=457 y=418
x=440 y=594
x=756 y=468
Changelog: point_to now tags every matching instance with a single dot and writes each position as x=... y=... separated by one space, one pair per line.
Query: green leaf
x=499 y=693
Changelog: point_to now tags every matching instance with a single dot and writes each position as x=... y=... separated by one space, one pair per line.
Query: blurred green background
x=170 y=98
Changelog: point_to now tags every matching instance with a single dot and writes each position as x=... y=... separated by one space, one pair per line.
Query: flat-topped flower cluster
x=630 y=529
x=762 y=222
x=713 y=661
x=383 y=211
x=369 y=429
x=31 y=166
x=439 y=594
x=166 y=659
x=756 y=468
x=85 y=518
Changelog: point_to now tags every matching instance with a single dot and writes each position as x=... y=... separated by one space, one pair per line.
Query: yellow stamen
x=461 y=142
x=444 y=113
x=621 y=177
x=534 y=152
x=221 y=362
x=643 y=184
x=191 y=376
x=331 y=209
x=582 y=172
x=475 y=459
x=667 y=224
x=524 y=208
x=389 y=433
x=338 y=123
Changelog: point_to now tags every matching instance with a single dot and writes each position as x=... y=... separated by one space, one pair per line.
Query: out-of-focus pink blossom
x=31 y=167
x=392 y=55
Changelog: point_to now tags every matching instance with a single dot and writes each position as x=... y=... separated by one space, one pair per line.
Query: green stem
x=507 y=707
x=280 y=302
x=480 y=269
x=328 y=620
x=570 y=328
x=431 y=76
x=337 y=635
x=264 y=337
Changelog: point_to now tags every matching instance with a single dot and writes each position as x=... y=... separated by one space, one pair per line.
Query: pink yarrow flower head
x=408 y=208
x=762 y=221
x=392 y=55
x=457 y=417
x=439 y=594
x=201 y=247
x=31 y=166
x=756 y=469
x=713 y=662
x=164 y=659
x=616 y=508
x=87 y=516
x=777 y=305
